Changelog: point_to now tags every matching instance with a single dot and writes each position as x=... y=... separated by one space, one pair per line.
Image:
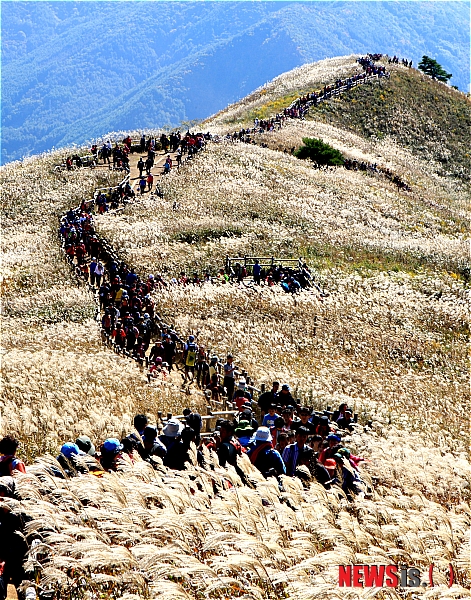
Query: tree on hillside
x=319 y=152
x=431 y=67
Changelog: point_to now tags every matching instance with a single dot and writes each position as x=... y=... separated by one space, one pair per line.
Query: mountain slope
x=425 y=116
x=389 y=339
x=87 y=68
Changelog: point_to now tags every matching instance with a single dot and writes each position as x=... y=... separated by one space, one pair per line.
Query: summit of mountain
x=427 y=117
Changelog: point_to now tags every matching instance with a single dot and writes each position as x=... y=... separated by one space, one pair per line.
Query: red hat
x=330 y=463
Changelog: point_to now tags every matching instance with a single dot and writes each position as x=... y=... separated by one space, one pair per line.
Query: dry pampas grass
x=389 y=340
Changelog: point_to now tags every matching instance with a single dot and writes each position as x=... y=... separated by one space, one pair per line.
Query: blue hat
x=191 y=338
x=69 y=449
x=112 y=445
x=332 y=436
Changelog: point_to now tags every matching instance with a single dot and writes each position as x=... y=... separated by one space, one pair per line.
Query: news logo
x=392 y=576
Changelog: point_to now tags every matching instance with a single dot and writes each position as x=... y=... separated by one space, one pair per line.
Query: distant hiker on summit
x=141 y=166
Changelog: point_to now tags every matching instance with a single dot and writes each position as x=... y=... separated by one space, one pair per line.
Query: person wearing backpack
x=8 y=460
x=263 y=456
x=13 y=546
x=190 y=354
x=229 y=448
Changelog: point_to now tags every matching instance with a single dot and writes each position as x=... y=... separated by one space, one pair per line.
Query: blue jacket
x=266 y=458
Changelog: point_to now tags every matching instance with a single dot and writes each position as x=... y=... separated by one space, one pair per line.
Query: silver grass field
x=390 y=339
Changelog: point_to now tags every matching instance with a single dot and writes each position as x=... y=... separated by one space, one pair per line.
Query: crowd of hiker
x=299 y=107
x=127 y=308
x=361 y=165
x=395 y=61
x=291 y=279
x=287 y=439
x=276 y=432
x=126 y=303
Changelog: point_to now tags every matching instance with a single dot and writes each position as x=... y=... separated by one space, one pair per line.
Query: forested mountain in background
x=72 y=71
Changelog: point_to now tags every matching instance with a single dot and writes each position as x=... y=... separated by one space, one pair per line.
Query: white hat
x=263 y=435
x=242 y=383
x=173 y=428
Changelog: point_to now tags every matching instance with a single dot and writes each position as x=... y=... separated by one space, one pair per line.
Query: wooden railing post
x=208 y=421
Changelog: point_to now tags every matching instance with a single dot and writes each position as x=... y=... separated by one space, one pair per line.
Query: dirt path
x=157 y=169
x=11 y=593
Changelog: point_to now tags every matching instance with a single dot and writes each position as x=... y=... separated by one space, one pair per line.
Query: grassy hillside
x=390 y=339
x=376 y=250
x=430 y=118
x=57 y=378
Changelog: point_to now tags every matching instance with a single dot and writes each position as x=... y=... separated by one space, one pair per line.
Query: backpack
x=237 y=446
x=5 y=466
x=191 y=356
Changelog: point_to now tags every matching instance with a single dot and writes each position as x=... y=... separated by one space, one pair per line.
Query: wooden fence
x=264 y=261
x=340 y=90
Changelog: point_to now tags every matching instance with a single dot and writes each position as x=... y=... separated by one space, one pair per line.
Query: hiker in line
x=269 y=419
x=170 y=433
x=229 y=373
x=277 y=429
x=242 y=395
x=333 y=445
x=346 y=422
x=111 y=454
x=268 y=398
x=304 y=421
x=91 y=268
x=292 y=453
x=244 y=432
x=263 y=456
x=202 y=368
x=141 y=166
x=84 y=444
x=151 y=444
x=167 y=165
x=215 y=388
x=257 y=270
x=13 y=544
x=9 y=463
x=179 y=454
x=99 y=272
x=190 y=352
x=150 y=181
x=195 y=422
x=229 y=448
x=284 y=397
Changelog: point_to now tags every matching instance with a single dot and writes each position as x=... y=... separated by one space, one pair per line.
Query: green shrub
x=319 y=152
